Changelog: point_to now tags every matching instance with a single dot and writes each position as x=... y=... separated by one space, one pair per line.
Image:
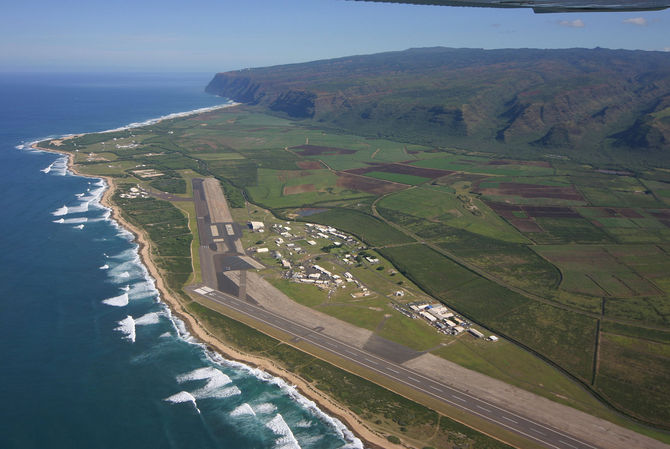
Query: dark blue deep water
x=89 y=356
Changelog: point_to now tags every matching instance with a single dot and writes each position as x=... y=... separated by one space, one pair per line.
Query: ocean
x=90 y=357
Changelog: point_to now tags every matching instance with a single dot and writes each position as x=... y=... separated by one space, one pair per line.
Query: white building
x=257 y=226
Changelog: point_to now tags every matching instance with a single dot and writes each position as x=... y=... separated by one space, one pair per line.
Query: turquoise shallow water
x=90 y=356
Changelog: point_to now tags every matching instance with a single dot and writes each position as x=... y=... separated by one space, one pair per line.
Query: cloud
x=639 y=21
x=577 y=23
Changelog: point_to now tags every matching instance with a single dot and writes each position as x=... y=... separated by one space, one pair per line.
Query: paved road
x=547 y=436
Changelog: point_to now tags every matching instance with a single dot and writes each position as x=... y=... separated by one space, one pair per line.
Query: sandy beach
x=370 y=438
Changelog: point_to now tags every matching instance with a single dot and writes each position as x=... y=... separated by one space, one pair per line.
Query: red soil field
x=402 y=169
x=316 y=150
x=367 y=185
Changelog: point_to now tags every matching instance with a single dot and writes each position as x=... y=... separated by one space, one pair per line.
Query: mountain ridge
x=577 y=101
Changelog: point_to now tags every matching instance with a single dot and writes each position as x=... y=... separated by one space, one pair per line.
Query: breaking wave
x=149 y=318
x=127 y=326
x=117 y=301
x=286 y=438
x=243 y=410
x=352 y=441
x=183 y=396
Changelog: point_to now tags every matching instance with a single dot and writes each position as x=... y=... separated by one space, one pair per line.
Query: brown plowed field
x=402 y=169
x=316 y=150
x=504 y=210
x=367 y=185
x=525 y=225
x=550 y=212
x=663 y=214
x=302 y=188
x=534 y=191
x=630 y=213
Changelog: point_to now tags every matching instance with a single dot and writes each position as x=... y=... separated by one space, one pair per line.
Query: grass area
x=292 y=188
x=625 y=361
x=168 y=229
x=509 y=363
x=415 y=334
x=366 y=227
x=457 y=211
x=189 y=210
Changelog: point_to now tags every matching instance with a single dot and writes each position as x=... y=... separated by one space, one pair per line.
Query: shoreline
x=368 y=437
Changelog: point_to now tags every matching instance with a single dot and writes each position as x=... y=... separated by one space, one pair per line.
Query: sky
x=220 y=35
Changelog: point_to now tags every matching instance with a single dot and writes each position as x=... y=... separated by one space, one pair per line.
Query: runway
x=545 y=435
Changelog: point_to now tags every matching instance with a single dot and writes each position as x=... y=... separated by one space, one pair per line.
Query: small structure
x=428 y=316
x=476 y=333
x=493 y=338
x=262 y=250
x=256 y=226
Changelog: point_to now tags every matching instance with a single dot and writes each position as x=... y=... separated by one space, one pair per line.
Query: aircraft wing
x=548 y=6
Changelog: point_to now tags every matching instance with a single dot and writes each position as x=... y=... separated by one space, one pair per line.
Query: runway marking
x=435 y=388
x=412 y=378
x=371 y=361
x=391 y=369
x=351 y=352
x=459 y=399
x=537 y=431
x=483 y=408
x=510 y=419
x=567 y=444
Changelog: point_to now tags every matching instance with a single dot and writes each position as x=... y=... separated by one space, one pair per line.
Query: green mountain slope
x=597 y=105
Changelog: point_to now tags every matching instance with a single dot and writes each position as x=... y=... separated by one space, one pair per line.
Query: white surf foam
x=142 y=289
x=149 y=318
x=215 y=381
x=81 y=226
x=126 y=288
x=79 y=209
x=214 y=377
x=117 y=301
x=104 y=267
x=221 y=393
x=265 y=408
x=183 y=396
x=71 y=220
x=165 y=335
x=243 y=410
x=352 y=441
x=58 y=167
x=304 y=424
x=127 y=326
x=60 y=211
x=286 y=438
